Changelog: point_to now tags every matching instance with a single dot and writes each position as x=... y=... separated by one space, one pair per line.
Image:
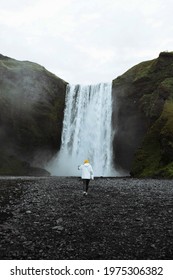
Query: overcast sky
x=86 y=41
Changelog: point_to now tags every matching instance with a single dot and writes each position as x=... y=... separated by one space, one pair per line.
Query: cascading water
x=87 y=131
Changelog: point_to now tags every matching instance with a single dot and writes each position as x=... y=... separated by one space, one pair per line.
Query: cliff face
x=143 y=142
x=32 y=102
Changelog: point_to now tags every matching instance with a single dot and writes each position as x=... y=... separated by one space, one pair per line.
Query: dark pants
x=86 y=184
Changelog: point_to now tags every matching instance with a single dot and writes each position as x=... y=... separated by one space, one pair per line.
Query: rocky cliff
x=31 y=113
x=143 y=123
x=32 y=104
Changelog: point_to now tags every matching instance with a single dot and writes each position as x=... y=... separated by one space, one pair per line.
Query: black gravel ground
x=49 y=218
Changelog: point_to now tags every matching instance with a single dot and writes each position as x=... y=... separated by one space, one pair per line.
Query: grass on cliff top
x=152 y=71
x=13 y=64
x=17 y=66
x=138 y=71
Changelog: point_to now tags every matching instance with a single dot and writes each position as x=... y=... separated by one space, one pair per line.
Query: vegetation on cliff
x=31 y=113
x=150 y=85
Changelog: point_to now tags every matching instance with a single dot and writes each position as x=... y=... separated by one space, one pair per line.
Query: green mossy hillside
x=143 y=98
x=155 y=157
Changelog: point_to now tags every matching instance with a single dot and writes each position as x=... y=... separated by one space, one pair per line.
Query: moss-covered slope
x=144 y=95
x=155 y=157
x=31 y=113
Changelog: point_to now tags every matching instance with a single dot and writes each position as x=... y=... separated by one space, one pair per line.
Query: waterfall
x=87 y=131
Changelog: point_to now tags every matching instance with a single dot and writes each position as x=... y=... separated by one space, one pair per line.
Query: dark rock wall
x=129 y=124
x=32 y=104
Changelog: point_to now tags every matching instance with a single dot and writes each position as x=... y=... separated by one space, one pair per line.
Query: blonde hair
x=86 y=161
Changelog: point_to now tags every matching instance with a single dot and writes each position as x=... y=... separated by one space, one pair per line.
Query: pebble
x=58 y=228
x=27 y=243
x=60 y=220
x=139 y=219
x=28 y=212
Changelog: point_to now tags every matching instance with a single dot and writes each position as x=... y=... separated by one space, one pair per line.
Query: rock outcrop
x=143 y=123
x=32 y=104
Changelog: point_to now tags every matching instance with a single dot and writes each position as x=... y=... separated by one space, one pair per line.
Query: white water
x=87 y=131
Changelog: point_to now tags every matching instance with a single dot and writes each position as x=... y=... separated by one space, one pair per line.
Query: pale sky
x=86 y=41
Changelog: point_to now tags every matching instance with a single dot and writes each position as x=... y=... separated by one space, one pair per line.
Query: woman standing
x=87 y=174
